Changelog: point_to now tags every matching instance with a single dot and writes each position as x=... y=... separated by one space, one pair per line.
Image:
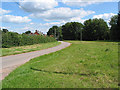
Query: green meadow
x=84 y=64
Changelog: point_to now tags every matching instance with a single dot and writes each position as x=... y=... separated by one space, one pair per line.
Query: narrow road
x=9 y=63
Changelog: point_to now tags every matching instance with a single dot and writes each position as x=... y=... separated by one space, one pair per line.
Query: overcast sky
x=43 y=14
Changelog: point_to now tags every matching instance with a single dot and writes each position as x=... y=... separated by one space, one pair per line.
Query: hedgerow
x=10 y=39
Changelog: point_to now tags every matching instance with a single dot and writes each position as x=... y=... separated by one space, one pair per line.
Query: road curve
x=11 y=62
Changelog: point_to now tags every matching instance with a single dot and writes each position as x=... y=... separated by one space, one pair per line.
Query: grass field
x=85 y=64
x=27 y=48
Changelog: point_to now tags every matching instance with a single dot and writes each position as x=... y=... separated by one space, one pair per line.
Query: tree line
x=92 y=29
x=10 y=39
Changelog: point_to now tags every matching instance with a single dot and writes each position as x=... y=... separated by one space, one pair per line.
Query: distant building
x=44 y=35
x=37 y=33
x=51 y=35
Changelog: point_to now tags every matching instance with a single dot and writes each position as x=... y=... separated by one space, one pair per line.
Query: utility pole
x=58 y=33
x=118 y=22
x=55 y=33
x=81 y=34
x=118 y=14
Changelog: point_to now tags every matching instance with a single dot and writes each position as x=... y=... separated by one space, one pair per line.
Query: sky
x=43 y=14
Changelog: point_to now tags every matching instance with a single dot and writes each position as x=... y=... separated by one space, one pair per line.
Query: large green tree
x=95 y=29
x=27 y=32
x=71 y=31
x=5 y=30
x=52 y=31
x=115 y=28
x=56 y=32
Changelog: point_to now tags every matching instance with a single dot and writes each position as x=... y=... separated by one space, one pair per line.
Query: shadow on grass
x=107 y=41
x=65 y=73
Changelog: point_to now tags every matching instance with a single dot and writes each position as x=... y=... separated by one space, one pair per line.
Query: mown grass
x=84 y=64
x=27 y=48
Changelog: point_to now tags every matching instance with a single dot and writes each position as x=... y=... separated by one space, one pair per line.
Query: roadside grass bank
x=85 y=64
x=27 y=48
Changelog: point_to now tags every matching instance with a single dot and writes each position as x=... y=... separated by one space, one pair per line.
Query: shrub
x=10 y=39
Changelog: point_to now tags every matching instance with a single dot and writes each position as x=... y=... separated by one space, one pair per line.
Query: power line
x=21 y=6
x=17 y=3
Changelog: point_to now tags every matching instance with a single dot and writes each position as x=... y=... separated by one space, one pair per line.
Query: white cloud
x=78 y=3
x=14 y=19
x=26 y=28
x=2 y=11
x=46 y=10
x=77 y=19
x=82 y=3
x=60 y=23
x=31 y=23
x=105 y=16
x=62 y=13
x=37 y=26
x=3 y=27
x=52 y=23
x=38 y=5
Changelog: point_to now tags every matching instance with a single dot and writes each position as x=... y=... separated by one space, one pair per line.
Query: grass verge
x=27 y=48
x=84 y=64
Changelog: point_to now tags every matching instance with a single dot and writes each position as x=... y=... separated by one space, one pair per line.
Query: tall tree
x=56 y=32
x=27 y=32
x=71 y=30
x=115 y=28
x=5 y=30
x=95 y=29
x=60 y=36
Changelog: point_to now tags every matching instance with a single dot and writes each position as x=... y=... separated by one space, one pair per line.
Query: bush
x=5 y=46
x=10 y=39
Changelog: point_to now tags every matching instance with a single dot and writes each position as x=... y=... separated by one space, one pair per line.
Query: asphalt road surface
x=9 y=63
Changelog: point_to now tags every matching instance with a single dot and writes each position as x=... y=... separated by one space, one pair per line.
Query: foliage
x=113 y=20
x=86 y=64
x=115 y=28
x=71 y=31
x=27 y=32
x=10 y=39
x=95 y=29
x=60 y=36
x=56 y=32
x=5 y=30
x=52 y=30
